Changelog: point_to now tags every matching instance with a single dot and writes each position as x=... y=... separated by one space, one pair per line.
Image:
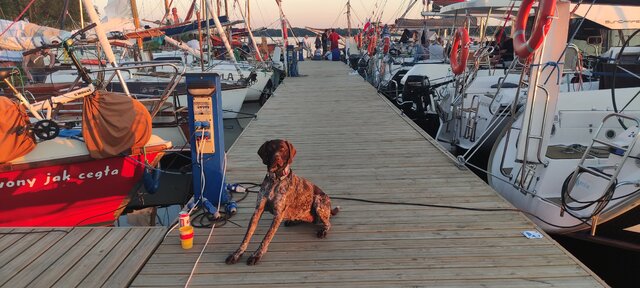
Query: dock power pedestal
x=207 y=143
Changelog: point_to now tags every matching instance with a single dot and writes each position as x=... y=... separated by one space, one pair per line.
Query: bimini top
x=613 y=17
x=481 y=7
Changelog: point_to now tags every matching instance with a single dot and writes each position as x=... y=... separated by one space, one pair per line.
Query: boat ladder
x=471 y=114
x=626 y=148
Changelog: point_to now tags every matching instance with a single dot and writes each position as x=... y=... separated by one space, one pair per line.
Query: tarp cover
x=113 y=123
x=15 y=138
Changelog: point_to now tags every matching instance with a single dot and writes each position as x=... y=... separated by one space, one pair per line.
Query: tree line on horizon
x=49 y=13
x=43 y=12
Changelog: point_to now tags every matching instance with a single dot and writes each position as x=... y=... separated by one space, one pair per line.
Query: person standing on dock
x=335 y=51
x=318 y=43
x=325 y=36
x=307 y=46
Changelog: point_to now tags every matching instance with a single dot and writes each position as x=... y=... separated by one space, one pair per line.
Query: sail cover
x=15 y=138
x=24 y=35
x=614 y=17
x=113 y=123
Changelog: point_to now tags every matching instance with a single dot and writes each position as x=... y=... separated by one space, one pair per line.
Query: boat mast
x=104 y=42
x=136 y=24
x=253 y=39
x=349 y=18
x=208 y=16
x=63 y=16
x=81 y=14
x=224 y=38
x=284 y=36
x=248 y=15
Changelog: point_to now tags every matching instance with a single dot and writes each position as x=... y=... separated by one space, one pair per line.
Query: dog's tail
x=335 y=211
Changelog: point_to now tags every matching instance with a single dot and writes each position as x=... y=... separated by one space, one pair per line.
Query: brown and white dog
x=288 y=197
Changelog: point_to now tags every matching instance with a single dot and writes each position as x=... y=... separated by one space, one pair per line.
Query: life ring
x=372 y=45
x=521 y=45
x=385 y=47
x=460 y=42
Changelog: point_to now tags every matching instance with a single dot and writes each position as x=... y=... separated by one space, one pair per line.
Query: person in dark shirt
x=318 y=42
x=325 y=37
x=503 y=49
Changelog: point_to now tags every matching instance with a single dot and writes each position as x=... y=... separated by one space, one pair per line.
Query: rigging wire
x=394 y=15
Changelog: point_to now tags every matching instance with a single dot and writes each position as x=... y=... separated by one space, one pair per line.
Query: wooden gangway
x=75 y=257
x=353 y=143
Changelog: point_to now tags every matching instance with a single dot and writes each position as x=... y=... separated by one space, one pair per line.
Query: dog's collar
x=285 y=172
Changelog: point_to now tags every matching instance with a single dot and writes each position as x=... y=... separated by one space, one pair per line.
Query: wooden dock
x=352 y=143
x=75 y=257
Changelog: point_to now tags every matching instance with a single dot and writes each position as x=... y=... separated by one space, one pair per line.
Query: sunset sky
x=314 y=13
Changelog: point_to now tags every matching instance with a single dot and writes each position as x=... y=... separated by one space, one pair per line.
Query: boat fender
x=151 y=179
x=387 y=43
x=522 y=46
x=460 y=44
x=372 y=45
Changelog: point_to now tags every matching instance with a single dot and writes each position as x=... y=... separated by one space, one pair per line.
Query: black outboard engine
x=353 y=61
x=415 y=96
x=363 y=63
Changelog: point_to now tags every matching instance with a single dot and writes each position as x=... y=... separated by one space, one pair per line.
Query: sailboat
x=569 y=159
x=57 y=177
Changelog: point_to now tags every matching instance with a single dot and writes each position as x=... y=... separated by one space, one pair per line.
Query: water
x=617 y=267
x=173 y=186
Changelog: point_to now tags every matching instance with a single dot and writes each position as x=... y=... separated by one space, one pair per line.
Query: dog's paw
x=233 y=258
x=253 y=260
x=322 y=233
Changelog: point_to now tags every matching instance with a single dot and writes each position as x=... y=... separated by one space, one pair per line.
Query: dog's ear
x=292 y=152
x=262 y=152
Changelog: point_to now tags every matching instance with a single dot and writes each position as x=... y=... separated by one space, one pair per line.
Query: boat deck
x=75 y=257
x=352 y=143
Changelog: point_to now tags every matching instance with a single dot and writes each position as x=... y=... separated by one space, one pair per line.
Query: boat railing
x=171 y=85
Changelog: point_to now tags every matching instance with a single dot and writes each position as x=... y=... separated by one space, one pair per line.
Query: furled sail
x=24 y=35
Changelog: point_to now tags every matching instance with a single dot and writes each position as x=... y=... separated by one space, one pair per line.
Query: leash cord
x=582 y=222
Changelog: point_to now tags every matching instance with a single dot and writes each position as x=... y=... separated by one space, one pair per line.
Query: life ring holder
x=522 y=46
x=460 y=42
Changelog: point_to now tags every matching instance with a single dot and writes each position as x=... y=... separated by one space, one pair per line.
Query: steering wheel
x=46 y=129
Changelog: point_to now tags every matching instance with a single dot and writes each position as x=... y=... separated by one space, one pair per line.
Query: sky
x=313 y=13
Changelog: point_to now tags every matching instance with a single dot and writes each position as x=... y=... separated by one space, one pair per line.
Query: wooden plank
x=110 y=262
x=124 y=275
x=24 y=242
x=92 y=258
x=14 y=265
x=42 y=263
x=61 y=265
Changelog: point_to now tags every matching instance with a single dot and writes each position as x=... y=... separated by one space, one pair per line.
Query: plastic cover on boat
x=15 y=138
x=113 y=123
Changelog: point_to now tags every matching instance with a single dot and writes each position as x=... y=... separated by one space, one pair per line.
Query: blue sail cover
x=175 y=30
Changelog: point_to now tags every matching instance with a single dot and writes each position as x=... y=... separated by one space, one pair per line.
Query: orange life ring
x=460 y=42
x=523 y=47
x=387 y=43
x=372 y=45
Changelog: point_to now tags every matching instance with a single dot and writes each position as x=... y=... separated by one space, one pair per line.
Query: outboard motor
x=354 y=59
x=363 y=63
x=415 y=96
